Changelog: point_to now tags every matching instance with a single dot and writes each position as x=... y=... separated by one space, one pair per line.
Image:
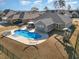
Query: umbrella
x=67 y=29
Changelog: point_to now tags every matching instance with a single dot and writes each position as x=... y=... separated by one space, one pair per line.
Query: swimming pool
x=27 y=34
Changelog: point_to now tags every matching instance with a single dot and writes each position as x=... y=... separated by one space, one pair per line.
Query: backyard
x=51 y=48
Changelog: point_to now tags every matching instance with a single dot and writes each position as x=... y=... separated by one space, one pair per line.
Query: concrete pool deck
x=27 y=40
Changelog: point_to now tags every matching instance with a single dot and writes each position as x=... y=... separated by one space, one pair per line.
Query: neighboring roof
x=21 y=15
x=18 y=12
x=10 y=17
x=25 y=15
x=16 y=16
x=29 y=15
x=10 y=13
x=6 y=11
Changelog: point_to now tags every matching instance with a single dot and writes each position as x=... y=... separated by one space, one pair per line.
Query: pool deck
x=25 y=40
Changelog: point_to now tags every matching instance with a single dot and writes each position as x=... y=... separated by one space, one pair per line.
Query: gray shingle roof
x=16 y=16
x=46 y=21
x=21 y=15
x=54 y=16
x=65 y=18
x=10 y=17
x=30 y=15
x=10 y=13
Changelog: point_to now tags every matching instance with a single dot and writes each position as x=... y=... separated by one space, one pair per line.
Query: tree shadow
x=68 y=48
x=55 y=32
x=28 y=46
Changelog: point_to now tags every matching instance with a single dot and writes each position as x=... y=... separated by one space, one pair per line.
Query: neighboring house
x=10 y=13
x=75 y=14
x=15 y=18
x=12 y=16
x=28 y=16
x=44 y=21
x=21 y=15
x=9 y=19
x=6 y=17
x=6 y=11
x=0 y=19
x=1 y=15
x=49 y=21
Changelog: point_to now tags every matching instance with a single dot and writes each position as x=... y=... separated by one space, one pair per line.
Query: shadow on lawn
x=69 y=49
x=55 y=32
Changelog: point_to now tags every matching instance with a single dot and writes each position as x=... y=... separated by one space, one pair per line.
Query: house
x=49 y=21
x=5 y=12
x=28 y=16
x=11 y=12
x=7 y=15
x=23 y=16
x=75 y=14
x=45 y=25
x=16 y=18
x=66 y=19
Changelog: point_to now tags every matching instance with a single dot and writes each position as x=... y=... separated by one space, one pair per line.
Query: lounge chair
x=6 y=34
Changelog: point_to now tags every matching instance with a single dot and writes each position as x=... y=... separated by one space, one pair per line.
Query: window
x=56 y=26
x=41 y=26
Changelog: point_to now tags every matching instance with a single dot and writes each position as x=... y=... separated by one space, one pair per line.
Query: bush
x=72 y=28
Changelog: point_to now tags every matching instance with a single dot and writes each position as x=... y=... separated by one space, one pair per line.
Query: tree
x=69 y=7
x=46 y=8
x=6 y=11
x=56 y=4
x=59 y=4
x=34 y=9
x=78 y=10
x=0 y=19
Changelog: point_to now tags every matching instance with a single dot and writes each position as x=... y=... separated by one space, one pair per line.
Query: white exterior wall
x=39 y=26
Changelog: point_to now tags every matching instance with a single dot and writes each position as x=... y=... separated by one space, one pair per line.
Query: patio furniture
x=6 y=33
x=21 y=24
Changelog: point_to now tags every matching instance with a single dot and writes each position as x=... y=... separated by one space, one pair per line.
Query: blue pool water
x=27 y=34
